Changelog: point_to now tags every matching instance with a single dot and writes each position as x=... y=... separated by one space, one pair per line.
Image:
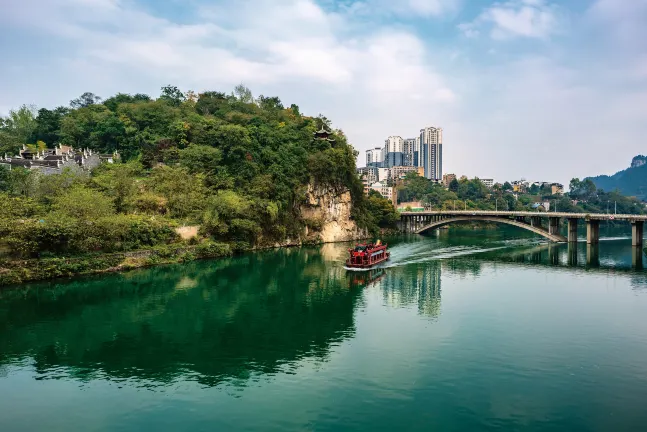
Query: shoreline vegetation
x=239 y=169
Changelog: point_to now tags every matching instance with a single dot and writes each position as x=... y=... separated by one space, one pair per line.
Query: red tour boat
x=367 y=255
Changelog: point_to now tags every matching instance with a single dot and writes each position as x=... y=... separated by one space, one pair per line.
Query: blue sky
x=540 y=89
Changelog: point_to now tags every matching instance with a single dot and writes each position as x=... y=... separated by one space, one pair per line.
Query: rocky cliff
x=327 y=216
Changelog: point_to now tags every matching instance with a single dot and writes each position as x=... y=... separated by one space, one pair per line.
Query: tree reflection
x=212 y=320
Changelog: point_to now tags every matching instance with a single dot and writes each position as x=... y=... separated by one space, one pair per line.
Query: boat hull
x=367 y=266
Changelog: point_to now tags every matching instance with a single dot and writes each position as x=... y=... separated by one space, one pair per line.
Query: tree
x=172 y=95
x=119 y=182
x=210 y=102
x=17 y=128
x=48 y=125
x=243 y=94
x=507 y=186
x=85 y=100
x=270 y=103
x=83 y=203
x=453 y=185
x=123 y=98
x=5 y=179
x=200 y=158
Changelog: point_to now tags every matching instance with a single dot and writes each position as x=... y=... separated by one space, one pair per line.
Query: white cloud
x=551 y=114
x=516 y=18
x=404 y=8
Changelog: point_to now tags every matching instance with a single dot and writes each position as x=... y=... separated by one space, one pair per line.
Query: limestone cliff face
x=327 y=216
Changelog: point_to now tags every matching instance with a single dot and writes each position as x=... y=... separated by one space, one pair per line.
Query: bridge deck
x=593 y=216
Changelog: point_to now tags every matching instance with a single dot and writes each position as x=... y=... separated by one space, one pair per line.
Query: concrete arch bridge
x=543 y=224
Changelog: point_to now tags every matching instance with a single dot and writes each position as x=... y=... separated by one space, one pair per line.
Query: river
x=460 y=331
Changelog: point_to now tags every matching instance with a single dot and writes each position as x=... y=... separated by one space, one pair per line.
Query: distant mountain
x=630 y=182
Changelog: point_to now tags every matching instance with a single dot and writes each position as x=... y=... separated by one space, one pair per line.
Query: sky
x=536 y=89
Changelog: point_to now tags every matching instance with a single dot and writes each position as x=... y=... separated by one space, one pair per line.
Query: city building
x=54 y=161
x=448 y=178
x=374 y=157
x=488 y=182
x=393 y=151
x=398 y=172
x=383 y=175
x=368 y=175
x=383 y=189
x=410 y=157
x=431 y=146
x=556 y=189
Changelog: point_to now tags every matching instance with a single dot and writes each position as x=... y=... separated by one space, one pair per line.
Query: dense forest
x=236 y=165
x=465 y=193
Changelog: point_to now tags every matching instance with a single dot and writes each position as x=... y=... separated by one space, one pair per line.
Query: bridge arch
x=453 y=219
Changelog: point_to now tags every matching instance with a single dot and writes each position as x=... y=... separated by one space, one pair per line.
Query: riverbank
x=13 y=272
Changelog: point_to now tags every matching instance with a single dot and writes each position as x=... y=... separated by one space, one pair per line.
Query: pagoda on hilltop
x=324 y=134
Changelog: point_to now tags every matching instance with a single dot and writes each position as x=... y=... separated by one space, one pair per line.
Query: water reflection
x=419 y=285
x=220 y=320
x=233 y=319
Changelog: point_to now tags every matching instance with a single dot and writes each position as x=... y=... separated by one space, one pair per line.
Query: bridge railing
x=594 y=216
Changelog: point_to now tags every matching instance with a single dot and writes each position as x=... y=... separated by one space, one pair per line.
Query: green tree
x=17 y=128
x=85 y=100
x=113 y=102
x=172 y=95
x=48 y=125
x=83 y=203
x=5 y=179
x=453 y=185
x=243 y=94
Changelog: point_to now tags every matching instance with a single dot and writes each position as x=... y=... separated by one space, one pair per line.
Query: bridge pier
x=637 y=233
x=535 y=221
x=592 y=232
x=553 y=225
x=572 y=230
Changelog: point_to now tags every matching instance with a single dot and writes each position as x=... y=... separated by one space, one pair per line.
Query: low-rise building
x=488 y=182
x=54 y=161
x=557 y=189
x=384 y=190
x=398 y=172
x=448 y=178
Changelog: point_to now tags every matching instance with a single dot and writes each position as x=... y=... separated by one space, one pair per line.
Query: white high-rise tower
x=431 y=152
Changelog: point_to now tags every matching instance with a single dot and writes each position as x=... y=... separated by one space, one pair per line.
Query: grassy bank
x=20 y=271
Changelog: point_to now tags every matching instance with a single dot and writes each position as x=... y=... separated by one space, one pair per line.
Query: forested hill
x=237 y=166
x=631 y=181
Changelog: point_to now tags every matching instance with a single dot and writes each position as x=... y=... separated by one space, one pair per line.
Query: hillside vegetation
x=584 y=197
x=631 y=181
x=235 y=165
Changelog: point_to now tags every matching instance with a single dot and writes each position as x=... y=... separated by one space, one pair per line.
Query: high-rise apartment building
x=408 y=150
x=374 y=157
x=393 y=151
x=431 y=145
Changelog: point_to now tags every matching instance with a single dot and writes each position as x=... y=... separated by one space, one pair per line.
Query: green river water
x=460 y=331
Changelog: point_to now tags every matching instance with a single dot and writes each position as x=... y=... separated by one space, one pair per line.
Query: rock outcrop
x=327 y=215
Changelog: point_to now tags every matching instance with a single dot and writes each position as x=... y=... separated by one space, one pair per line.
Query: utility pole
x=496 y=205
x=465 y=205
